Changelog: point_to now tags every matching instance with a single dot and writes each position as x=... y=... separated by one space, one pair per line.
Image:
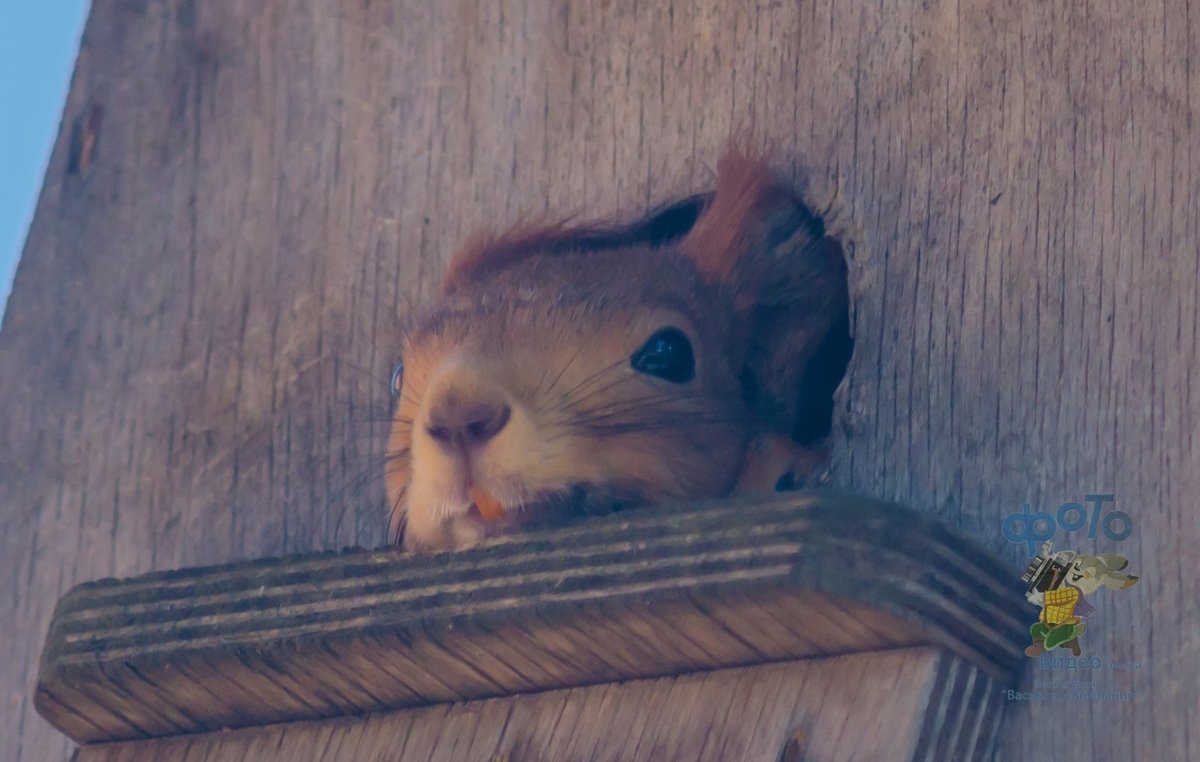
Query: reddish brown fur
x=754 y=284
x=493 y=253
x=729 y=226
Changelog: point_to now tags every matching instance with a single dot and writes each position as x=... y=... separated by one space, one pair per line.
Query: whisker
x=567 y=395
x=566 y=366
x=634 y=427
x=607 y=388
x=568 y=404
x=387 y=419
x=396 y=526
x=342 y=362
x=377 y=462
x=374 y=413
x=655 y=401
x=627 y=407
x=343 y=498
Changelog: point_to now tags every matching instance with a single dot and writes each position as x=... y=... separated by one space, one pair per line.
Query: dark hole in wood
x=786 y=483
x=821 y=377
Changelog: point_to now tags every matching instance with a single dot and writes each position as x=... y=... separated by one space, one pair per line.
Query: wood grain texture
x=273 y=183
x=658 y=592
x=861 y=707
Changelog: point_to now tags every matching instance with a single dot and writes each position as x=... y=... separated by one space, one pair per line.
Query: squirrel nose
x=455 y=419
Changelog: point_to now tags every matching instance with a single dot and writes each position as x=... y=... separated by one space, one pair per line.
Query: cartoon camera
x=1046 y=571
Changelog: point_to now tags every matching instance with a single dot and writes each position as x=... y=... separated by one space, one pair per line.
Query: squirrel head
x=1089 y=573
x=579 y=370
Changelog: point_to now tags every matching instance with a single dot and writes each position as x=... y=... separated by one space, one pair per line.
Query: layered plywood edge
x=647 y=594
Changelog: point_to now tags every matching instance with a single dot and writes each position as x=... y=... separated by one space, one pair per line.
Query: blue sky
x=38 y=43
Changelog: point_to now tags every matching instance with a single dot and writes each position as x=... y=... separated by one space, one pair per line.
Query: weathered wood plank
x=854 y=707
x=654 y=592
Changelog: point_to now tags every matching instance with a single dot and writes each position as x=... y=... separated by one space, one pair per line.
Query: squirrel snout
x=460 y=419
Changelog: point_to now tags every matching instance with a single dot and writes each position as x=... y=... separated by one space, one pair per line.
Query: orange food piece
x=489 y=507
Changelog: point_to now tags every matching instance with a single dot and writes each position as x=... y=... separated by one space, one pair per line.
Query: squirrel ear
x=484 y=256
x=788 y=283
x=1118 y=580
x=749 y=213
x=1114 y=561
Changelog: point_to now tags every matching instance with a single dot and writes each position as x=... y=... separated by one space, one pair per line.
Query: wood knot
x=793 y=749
x=85 y=135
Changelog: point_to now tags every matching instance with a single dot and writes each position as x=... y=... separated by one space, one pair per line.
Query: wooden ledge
x=812 y=709
x=652 y=592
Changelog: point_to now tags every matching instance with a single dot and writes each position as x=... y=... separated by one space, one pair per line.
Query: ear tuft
x=788 y=282
x=748 y=202
x=485 y=256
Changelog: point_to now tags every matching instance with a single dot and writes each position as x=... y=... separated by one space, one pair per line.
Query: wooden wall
x=246 y=196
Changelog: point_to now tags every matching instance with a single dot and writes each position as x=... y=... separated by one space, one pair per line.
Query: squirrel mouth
x=487 y=506
x=549 y=507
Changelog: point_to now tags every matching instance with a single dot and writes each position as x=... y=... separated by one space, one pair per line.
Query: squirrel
x=577 y=370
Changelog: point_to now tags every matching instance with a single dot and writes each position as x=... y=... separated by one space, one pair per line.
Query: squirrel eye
x=397 y=380
x=668 y=355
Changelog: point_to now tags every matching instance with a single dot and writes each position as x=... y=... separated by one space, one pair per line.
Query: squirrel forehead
x=600 y=285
